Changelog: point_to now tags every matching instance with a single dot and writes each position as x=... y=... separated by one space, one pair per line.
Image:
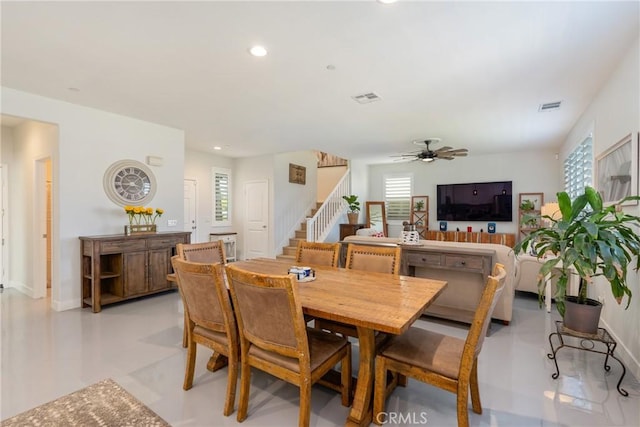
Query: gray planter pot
x=583 y=318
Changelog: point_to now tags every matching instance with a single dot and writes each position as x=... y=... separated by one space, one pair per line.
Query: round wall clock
x=129 y=182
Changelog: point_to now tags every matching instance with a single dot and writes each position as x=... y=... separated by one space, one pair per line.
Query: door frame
x=40 y=227
x=194 y=232
x=4 y=229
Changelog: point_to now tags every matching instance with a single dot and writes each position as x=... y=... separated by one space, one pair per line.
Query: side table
x=588 y=343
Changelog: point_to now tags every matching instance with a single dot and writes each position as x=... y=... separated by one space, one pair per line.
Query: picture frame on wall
x=297 y=174
x=616 y=171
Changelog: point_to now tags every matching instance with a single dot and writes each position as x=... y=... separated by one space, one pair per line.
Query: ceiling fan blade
x=459 y=154
x=459 y=150
x=442 y=149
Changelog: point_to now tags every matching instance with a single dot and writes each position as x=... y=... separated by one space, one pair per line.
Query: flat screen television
x=478 y=201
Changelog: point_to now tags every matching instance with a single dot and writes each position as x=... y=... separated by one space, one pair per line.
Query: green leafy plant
x=593 y=239
x=419 y=205
x=354 y=204
x=527 y=205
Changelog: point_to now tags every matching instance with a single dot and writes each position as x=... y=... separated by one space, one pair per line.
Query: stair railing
x=319 y=226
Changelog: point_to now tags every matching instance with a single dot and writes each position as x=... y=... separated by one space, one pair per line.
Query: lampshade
x=551 y=209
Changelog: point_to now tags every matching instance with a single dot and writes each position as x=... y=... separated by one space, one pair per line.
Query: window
x=221 y=196
x=578 y=168
x=397 y=197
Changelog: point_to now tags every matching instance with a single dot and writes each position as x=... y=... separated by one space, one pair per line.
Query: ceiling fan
x=429 y=155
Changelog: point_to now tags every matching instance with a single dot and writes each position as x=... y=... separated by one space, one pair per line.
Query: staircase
x=289 y=252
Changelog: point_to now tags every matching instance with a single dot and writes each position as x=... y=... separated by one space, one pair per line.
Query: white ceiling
x=471 y=73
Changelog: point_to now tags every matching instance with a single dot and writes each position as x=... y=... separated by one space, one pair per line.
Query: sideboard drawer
x=424 y=260
x=464 y=262
x=167 y=242
x=123 y=246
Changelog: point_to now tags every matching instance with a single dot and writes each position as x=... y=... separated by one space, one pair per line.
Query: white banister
x=319 y=226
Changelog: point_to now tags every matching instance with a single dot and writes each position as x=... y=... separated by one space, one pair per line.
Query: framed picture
x=297 y=174
x=616 y=171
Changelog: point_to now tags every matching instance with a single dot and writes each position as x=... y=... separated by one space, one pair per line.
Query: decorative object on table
x=141 y=219
x=129 y=181
x=354 y=208
x=443 y=225
x=592 y=239
x=616 y=171
x=410 y=236
x=469 y=229
x=491 y=227
x=303 y=274
x=297 y=174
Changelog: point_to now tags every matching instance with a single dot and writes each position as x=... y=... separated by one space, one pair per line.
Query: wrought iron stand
x=587 y=343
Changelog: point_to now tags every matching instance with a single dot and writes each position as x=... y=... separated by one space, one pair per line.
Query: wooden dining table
x=370 y=301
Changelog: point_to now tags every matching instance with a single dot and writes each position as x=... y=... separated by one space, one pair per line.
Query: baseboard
x=622 y=352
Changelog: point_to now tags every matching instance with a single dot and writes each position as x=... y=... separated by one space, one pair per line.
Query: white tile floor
x=48 y=354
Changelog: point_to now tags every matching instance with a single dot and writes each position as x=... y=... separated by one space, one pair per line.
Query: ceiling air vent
x=366 y=98
x=550 y=106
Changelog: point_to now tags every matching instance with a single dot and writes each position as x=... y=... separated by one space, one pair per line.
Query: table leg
x=361 y=410
x=217 y=361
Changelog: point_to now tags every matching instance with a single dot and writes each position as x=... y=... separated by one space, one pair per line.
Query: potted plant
x=354 y=208
x=419 y=206
x=589 y=240
x=527 y=205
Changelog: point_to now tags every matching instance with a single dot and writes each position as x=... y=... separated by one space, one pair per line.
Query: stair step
x=289 y=250
x=286 y=257
x=301 y=234
x=294 y=242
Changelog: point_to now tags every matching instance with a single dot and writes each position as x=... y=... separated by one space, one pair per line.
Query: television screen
x=480 y=201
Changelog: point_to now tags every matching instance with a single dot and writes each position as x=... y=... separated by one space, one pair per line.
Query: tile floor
x=47 y=354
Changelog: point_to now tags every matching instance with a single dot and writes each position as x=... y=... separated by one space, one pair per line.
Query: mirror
x=376 y=217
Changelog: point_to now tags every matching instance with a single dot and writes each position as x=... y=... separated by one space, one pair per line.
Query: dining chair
x=207 y=252
x=380 y=259
x=209 y=319
x=317 y=253
x=444 y=361
x=274 y=338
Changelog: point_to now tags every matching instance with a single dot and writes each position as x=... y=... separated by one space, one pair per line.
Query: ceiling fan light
x=428 y=159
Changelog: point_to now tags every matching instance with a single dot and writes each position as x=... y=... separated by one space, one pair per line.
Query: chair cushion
x=427 y=350
x=219 y=337
x=322 y=345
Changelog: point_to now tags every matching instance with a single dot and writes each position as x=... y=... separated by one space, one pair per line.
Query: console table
x=117 y=267
x=463 y=261
x=587 y=343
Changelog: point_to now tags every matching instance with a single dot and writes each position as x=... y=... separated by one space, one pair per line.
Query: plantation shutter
x=578 y=169
x=397 y=197
x=221 y=196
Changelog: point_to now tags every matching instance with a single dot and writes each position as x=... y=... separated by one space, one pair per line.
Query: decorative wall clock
x=129 y=182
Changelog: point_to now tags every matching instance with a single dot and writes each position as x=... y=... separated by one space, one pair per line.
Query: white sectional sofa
x=464 y=289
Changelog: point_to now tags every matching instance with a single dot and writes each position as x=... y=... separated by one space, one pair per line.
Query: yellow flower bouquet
x=141 y=219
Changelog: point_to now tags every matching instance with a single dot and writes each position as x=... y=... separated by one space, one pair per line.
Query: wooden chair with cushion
x=446 y=362
x=317 y=253
x=274 y=338
x=207 y=252
x=380 y=259
x=209 y=319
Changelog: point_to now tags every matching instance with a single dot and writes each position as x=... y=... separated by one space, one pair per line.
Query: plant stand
x=587 y=343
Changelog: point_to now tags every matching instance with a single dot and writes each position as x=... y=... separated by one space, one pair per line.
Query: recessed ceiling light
x=387 y=1
x=217 y=148
x=258 y=51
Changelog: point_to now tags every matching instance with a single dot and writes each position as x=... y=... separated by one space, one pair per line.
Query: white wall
x=89 y=141
x=614 y=113
x=327 y=179
x=197 y=166
x=532 y=171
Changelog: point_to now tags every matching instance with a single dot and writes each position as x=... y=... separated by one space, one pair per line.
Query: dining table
x=372 y=302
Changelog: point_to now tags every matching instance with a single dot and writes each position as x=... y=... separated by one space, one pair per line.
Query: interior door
x=190 y=223
x=256 y=212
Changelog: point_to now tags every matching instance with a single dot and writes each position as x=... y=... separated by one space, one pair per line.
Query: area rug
x=101 y=404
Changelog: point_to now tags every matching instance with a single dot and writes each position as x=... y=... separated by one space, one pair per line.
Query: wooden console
x=117 y=267
x=443 y=262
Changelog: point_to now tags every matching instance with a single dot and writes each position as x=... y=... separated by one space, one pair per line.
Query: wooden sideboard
x=441 y=262
x=117 y=267
x=349 y=229
x=507 y=239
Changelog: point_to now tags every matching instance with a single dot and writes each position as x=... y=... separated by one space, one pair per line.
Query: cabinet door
x=135 y=277
x=159 y=260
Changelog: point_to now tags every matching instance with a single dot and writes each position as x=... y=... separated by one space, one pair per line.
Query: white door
x=190 y=192
x=256 y=212
x=40 y=270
